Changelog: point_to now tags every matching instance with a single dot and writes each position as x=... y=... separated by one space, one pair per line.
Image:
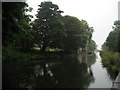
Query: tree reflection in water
x=68 y=73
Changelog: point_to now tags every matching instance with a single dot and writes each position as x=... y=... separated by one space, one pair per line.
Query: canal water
x=81 y=71
x=102 y=79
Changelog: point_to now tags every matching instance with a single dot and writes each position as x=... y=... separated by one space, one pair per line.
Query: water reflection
x=89 y=59
x=66 y=74
x=69 y=73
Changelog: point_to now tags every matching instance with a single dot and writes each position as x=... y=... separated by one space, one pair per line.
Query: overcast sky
x=100 y=14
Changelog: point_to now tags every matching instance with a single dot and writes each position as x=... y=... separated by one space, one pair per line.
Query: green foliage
x=91 y=45
x=52 y=30
x=16 y=25
x=105 y=47
x=111 y=58
x=113 y=40
x=48 y=26
x=10 y=55
x=87 y=30
x=111 y=61
x=116 y=25
x=73 y=31
x=78 y=33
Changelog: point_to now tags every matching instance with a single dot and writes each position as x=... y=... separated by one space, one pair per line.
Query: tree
x=78 y=33
x=105 y=47
x=16 y=30
x=73 y=31
x=48 y=27
x=88 y=30
x=92 y=45
x=116 y=25
x=113 y=39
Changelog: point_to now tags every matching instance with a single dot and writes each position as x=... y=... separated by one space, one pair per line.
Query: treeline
x=50 y=30
x=111 y=51
x=113 y=40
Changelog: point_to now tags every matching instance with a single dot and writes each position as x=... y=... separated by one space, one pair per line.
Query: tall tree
x=48 y=27
x=87 y=30
x=78 y=33
x=74 y=33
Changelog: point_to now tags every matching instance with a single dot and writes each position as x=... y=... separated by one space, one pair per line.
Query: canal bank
x=116 y=83
x=82 y=71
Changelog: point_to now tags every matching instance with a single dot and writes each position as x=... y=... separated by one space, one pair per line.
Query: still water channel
x=84 y=71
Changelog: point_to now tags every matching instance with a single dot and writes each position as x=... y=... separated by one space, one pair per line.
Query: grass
x=36 y=48
x=10 y=55
x=111 y=61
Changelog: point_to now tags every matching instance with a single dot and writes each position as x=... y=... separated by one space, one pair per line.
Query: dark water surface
x=83 y=71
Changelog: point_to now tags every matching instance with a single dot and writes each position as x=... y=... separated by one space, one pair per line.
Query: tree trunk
x=43 y=48
x=44 y=69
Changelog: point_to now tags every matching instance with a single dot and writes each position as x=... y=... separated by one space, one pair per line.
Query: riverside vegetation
x=57 y=37
x=110 y=52
x=111 y=61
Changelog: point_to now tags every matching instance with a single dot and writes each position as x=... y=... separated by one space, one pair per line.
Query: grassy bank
x=111 y=61
x=18 y=67
x=12 y=55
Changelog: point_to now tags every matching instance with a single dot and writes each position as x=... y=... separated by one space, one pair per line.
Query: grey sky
x=100 y=14
x=119 y=10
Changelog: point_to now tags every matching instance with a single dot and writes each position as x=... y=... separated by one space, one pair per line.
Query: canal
x=81 y=71
x=102 y=79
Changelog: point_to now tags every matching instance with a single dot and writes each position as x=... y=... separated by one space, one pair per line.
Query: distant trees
x=92 y=45
x=52 y=30
x=113 y=40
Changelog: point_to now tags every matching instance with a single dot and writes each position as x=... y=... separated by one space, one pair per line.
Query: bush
x=111 y=61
